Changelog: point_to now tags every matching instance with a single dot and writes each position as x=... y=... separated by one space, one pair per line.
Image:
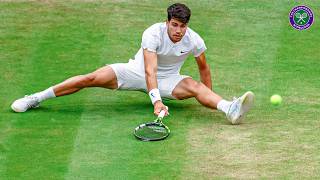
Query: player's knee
x=86 y=80
x=195 y=88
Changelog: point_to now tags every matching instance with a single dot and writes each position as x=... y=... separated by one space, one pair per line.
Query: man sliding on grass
x=155 y=70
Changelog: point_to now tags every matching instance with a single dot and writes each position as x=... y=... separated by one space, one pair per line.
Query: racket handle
x=161 y=114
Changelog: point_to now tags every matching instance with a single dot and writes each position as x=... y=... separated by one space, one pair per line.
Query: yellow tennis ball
x=276 y=99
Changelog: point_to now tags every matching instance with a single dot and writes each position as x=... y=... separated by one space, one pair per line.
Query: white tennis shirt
x=171 y=56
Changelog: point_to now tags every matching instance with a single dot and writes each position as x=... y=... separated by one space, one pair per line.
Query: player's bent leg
x=103 y=77
x=235 y=110
x=188 y=88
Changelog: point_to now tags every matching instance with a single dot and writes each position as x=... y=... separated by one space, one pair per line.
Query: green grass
x=88 y=135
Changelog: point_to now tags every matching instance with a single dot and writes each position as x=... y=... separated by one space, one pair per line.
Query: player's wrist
x=154 y=95
x=157 y=103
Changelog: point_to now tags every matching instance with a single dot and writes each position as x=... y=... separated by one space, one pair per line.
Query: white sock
x=46 y=94
x=223 y=106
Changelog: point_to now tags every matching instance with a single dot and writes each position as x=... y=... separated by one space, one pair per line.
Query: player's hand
x=159 y=106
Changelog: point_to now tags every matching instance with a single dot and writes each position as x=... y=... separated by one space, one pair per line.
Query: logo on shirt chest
x=184 y=52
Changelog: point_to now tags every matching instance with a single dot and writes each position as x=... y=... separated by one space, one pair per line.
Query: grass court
x=88 y=135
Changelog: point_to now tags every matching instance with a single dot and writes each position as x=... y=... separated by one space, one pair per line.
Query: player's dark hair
x=179 y=12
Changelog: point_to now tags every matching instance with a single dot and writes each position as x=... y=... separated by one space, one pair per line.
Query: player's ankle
x=223 y=106
x=46 y=94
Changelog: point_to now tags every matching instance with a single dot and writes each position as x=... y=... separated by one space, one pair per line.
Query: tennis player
x=155 y=70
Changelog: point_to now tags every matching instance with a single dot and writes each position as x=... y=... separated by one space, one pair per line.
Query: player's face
x=176 y=30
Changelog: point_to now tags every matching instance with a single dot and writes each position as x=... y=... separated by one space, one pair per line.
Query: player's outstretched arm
x=204 y=70
x=150 y=65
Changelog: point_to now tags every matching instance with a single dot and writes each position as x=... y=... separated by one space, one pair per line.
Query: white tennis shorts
x=129 y=79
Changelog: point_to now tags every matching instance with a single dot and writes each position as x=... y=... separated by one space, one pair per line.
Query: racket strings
x=153 y=131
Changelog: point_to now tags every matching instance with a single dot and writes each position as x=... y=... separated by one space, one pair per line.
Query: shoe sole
x=246 y=104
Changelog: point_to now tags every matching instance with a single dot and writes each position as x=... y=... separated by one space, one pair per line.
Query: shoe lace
x=235 y=104
x=34 y=101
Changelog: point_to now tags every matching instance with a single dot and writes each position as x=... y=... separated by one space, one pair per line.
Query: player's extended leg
x=188 y=88
x=103 y=77
x=234 y=110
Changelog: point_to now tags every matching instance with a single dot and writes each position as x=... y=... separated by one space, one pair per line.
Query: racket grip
x=161 y=114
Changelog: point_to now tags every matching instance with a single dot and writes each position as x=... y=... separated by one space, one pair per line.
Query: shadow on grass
x=187 y=110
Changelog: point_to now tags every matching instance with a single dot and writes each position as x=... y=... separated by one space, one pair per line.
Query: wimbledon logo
x=301 y=17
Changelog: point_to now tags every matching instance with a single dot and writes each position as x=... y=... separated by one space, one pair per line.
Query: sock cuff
x=46 y=94
x=221 y=104
x=224 y=106
x=51 y=92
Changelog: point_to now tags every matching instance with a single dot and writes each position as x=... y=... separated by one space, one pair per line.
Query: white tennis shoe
x=25 y=103
x=239 y=107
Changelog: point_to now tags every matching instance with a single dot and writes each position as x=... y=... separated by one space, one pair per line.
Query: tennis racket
x=152 y=131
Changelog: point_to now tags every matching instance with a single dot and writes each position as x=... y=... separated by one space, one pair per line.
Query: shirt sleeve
x=199 y=46
x=150 y=40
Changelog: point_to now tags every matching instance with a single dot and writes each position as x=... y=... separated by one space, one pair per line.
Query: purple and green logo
x=301 y=17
